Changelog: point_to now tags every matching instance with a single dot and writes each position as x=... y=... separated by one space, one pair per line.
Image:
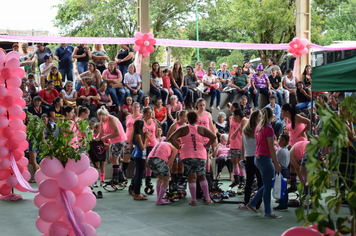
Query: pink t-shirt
x=108 y=130
x=129 y=125
x=178 y=107
x=200 y=74
x=192 y=144
x=204 y=121
x=110 y=76
x=237 y=143
x=261 y=140
x=299 y=149
x=223 y=151
x=294 y=133
x=161 y=150
x=152 y=131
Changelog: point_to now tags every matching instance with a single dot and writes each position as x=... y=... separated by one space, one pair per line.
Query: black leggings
x=221 y=163
x=251 y=170
x=140 y=165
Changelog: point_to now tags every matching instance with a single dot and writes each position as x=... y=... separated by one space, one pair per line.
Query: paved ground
x=121 y=215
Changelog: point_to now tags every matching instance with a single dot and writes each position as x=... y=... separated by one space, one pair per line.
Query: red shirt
x=160 y=115
x=92 y=92
x=166 y=82
x=262 y=140
x=48 y=97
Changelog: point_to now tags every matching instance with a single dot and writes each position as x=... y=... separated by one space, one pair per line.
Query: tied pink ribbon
x=298 y=47
x=19 y=176
x=138 y=62
x=73 y=219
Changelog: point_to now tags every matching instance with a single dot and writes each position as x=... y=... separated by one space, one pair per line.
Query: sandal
x=242 y=207
x=140 y=199
x=193 y=203
x=208 y=203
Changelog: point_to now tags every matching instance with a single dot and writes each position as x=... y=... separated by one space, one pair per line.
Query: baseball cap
x=46 y=56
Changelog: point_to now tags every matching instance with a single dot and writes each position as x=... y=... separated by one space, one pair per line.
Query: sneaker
x=242 y=207
x=95 y=185
x=229 y=105
x=102 y=184
x=292 y=188
x=211 y=107
x=252 y=209
x=100 y=194
x=278 y=208
x=273 y=216
x=218 y=107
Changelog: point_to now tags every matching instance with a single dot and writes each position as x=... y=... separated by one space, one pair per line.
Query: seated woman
x=133 y=83
x=210 y=86
x=88 y=97
x=306 y=76
x=105 y=98
x=303 y=96
x=56 y=110
x=48 y=94
x=161 y=115
x=127 y=110
x=260 y=84
x=191 y=81
x=146 y=102
x=173 y=107
x=222 y=125
x=245 y=106
x=276 y=120
x=222 y=157
x=93 y=73
x=289 y=85
x=276 y=85
x=114 y=79
x=334 y=105
x=156 y=82
x=178 y=86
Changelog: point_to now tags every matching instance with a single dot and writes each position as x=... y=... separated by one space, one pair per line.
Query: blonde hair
x=249 y=128
x=224 y=136
x=102 y=111
x=266 y=115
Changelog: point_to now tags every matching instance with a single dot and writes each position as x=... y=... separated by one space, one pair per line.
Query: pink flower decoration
x=298 y=47
x=144 y=43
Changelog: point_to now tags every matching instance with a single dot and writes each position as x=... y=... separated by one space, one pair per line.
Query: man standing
x=63 y=55
x=39 y=54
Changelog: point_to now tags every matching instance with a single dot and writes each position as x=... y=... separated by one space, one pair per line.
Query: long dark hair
x=178 y=73
x=94 y=65
x=250 y=127
x=299 y=94
x=293 y=112
x=154 y=74
x=137 y=129
x=115 y=69
x=305 y=70
x=66 y=110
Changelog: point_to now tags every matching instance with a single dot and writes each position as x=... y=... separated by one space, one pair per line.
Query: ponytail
x=293 y=112
x=266 y=115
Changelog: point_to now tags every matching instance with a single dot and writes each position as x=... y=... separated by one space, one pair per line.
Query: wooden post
x=303 y=27
x=143 y=26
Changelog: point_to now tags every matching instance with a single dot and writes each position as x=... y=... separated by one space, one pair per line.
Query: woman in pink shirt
x=160 y=161
x=83 y=114
x=113 y=76
x=296 y=155
x=193 y=154
x=111 y=128
x=264 y=156
x=68 y=113
x=199 y=71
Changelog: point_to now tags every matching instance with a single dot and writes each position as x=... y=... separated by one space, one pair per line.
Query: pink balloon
x=78 y=189
x=88 y=177
x=304 y=42
x=136 y=47
x=298 y=231
x=71 y=198
x=138 y=35
x=23 y=146
x=15 y=110
x=146 y=54
x=20 y=102
x=93 y=219
x=16 y=124
x=85 y=201
x=49 y=212
x=26 y=175
x=5 y=163
x=12 y=55
x=19 y=167
x=87 y=189
x=67 y=179
x=3 y=110
x=8 y=132
x=19 y=72
x=20 y=136
x=304 y=51
x=5 y=190
x=327 y=230
x=3 y=91
x=21 y=117
x=90 y=230
x=152 y=41
x=49 y=188
x=71 y=233
x=150 y=35
x=23 y=161
x=15 y=93
x=6 y=73
x=3 y=152
x=79 y=212
x=39 y=176
x=150 y=49
x=145 y=37
x=8 y=101
x=79 y=166
x=14 y=81
x=2 y=57
x=17 y=155
x=12 y=144
x=42 y=226
x=292 y=50
x=51 y=167
x=2 y=139
x=4 y=174
x=4 y=122
x=39 y=200
x=12 y=64
x=11 y=181
x=142 y=50
x=20 y=188
x=58 y=228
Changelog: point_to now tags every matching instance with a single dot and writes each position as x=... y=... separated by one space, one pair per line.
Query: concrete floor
x=121 y=215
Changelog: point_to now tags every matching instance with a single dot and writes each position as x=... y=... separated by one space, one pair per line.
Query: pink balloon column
x=64 y=200
x=298 y=47
x=12 y=130
x=143 y=46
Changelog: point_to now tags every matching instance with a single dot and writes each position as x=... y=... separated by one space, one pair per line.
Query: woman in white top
x=248 y=150
x=156 y=82
x=133 y=83
x=211 y=87
x=69 y=96
x=289 y=85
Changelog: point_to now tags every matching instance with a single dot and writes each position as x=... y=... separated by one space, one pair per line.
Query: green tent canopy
x=338 y=76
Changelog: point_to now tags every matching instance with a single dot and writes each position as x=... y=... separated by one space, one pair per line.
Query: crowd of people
x=177 y=135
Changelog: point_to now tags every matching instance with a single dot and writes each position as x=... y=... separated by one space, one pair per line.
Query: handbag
x=279 y=185
x=119 y=85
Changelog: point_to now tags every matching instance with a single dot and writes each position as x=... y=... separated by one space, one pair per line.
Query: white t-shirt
x=132 y=80
x=43 y=67
x=209 y=80
x=249 y=145
x=283 y=157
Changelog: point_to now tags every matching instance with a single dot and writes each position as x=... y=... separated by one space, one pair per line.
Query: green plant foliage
x=333 y=141
x=57 y=145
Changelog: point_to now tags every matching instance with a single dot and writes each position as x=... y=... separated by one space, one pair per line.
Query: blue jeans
x=163 y=94
x=140 y=94
x=235 y=92
x=215 y=93
x=117 y=94
x=303 y=105
x=277 y=127
x=123 y=70
x=283 y=203
x=279 y=96
x=266 y=167
x=264 y=91
x=66 y=73
x=179 y=94
x=82 y=66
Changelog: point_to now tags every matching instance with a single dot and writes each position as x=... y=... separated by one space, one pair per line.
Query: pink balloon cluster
x=12 y=129
x=298 y=47
x=144 y=43
x=310 y=231
x=74 y=179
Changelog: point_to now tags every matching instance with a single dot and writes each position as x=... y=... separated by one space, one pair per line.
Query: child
x=223 y=158
x=209 y=80
x=97 y=154
x=31 y=85
x=283 y=159
x=56 y=76
x=166 y=79
x=245 y=106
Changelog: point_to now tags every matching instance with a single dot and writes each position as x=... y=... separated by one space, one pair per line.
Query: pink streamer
x=296 y=66
x=19 y=176
x=138 y=62
x=73 y=219
x=333 y=48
